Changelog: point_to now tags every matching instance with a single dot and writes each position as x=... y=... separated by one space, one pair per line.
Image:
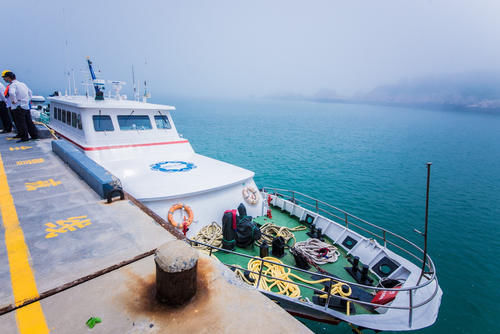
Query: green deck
x=282 y=218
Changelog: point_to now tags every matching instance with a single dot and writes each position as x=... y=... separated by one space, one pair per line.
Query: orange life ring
x=177 y=207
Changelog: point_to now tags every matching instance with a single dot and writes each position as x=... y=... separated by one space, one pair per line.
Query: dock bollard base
x=176 y=269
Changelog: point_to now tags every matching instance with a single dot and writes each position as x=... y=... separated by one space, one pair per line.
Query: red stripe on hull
x=100 y=148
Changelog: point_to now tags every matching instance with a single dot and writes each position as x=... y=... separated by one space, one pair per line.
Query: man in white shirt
x=4 y=110
x=20 y=97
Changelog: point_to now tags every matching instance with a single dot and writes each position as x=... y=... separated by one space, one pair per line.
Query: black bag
x=247 y=232
x=242 y=211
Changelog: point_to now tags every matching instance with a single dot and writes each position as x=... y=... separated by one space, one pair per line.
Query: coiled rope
x=284 y=273
x=270 y=231
x=316 y=251
x=210 y=234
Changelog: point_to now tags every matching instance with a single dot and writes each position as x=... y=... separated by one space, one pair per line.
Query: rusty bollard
x=176 y=265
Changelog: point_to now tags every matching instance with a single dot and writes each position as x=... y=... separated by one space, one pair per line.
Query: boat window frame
x=109 y=129
x=166 y=118
x=127 y=118
x=68 y=117
x=59 y=114
x=63 y=119
x=73 y=119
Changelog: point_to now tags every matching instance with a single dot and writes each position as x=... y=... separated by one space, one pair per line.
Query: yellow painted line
x=30 y=319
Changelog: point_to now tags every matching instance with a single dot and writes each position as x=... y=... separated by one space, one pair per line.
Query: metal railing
x=384 y=235
x=332 y=281
x=350 y=220
x=332 y=214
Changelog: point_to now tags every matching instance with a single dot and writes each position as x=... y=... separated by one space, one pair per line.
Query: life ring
x=250 y=195
x=177 y=207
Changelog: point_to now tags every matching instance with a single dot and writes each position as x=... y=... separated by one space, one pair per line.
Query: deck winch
x=264 y=249
x=278 y=247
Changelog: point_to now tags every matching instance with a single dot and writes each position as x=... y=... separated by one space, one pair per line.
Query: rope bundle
x=281 y=272
x=210 y=234
x=312 y=250
x=270 y=231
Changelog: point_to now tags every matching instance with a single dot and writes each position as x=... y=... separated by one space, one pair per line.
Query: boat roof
x=145 y=183
x=85 y=102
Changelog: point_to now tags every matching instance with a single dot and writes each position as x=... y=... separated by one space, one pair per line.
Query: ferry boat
x=379 y=280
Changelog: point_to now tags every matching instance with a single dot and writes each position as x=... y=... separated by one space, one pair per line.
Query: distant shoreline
x=428 y=106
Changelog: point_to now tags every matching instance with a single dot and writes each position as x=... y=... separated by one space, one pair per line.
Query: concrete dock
x=66 y=256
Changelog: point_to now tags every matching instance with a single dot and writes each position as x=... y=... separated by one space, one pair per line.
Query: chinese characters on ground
x=66 y=225
x=30 y=186
x=30 y=162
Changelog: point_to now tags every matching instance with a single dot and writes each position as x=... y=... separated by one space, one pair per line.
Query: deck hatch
x=385 y=267
x=309 y=219
x=349 y=242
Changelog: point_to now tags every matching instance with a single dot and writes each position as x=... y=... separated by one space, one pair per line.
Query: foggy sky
x=248 y=48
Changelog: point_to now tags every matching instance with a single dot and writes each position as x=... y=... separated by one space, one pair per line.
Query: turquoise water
x=371 y=161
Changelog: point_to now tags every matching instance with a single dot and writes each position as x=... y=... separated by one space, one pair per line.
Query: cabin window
x=102 y=123
x=79 y=121
x=68 y=117
x=59 y=114
x=162 y=122
x=63 y=116
x=134 y=122
x=73 y=119
x=54 y=113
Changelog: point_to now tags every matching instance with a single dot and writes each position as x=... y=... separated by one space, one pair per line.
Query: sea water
x=371 y=161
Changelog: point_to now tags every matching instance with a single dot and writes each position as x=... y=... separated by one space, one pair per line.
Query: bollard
x=176 y=265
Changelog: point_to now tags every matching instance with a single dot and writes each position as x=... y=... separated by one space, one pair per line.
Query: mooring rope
x=270 y=231
x=211 y=235
x=283 y=273
x=316 y=251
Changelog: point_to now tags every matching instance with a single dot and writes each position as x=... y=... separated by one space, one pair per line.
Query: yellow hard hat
x=5 y=72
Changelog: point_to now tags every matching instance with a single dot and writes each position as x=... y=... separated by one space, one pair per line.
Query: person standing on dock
x=4 y=110
x=20 y=97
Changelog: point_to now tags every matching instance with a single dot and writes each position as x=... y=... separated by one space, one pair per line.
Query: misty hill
x=465 y=90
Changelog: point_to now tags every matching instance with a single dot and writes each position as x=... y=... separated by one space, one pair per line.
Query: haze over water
x=371 y=161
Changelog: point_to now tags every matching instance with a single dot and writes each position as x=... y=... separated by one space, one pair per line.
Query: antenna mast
x=98 y=84
x=74 y=83
x=136 y=95
x=426 y=222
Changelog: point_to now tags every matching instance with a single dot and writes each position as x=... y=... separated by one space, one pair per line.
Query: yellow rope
x=210 y=234
x=270 y=231
x=355 y=329
x=281 y=272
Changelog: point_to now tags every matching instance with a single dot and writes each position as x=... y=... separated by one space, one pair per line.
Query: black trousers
x=4 y=115
x=24 y=123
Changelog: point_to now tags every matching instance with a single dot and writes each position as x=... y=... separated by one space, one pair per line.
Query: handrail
x=410 y=289
x=293 y=194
